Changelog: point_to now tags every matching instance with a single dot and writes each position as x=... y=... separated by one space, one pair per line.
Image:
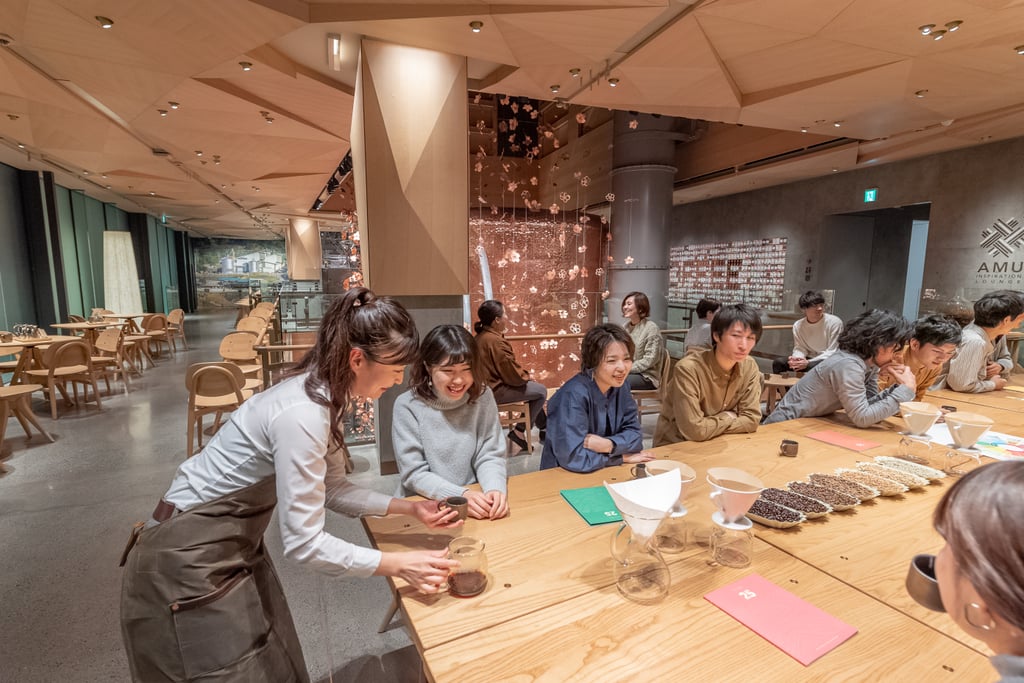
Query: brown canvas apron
x=200 y=600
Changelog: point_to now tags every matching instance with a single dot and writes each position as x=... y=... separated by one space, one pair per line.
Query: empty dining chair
x=155 y=327
x=213 y=388
x=61 y=363
x=176 y=327
x=108 y=357
x=239 y=348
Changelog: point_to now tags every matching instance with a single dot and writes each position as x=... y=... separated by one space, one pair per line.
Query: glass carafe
x=640 y=571
x=470 y=577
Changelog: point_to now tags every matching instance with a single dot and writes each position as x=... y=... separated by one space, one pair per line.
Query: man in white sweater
x=815 y=336
x=982 y=358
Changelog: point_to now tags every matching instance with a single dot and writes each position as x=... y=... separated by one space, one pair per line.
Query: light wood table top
x=549 y=570
x=601 y=637
x=1006 y=400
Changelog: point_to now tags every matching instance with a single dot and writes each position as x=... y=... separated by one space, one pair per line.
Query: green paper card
x=594 y=505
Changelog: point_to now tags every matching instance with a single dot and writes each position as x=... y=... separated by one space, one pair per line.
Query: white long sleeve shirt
x=819 y=340
x=281 y=431
x=967 y=368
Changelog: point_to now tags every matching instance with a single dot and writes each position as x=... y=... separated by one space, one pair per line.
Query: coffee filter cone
x=643 y=503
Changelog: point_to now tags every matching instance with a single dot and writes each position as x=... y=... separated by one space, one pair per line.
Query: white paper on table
x=644 y=502
x=996 y=445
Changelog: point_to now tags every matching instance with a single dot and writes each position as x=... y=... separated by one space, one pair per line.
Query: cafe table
x=87 y=328
x=551 y=610
x=130 y=318
x=23 y=346
x=1007 y=399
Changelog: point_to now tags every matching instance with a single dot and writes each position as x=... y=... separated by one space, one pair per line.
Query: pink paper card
x=854 y=443
x=788 y=622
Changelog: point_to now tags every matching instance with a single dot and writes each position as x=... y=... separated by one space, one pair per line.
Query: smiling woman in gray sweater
x=446 y=432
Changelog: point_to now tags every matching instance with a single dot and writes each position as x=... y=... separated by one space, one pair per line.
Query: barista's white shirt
x=282 y=431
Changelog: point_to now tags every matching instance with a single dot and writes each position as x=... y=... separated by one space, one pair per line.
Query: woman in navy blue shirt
x=593 y=420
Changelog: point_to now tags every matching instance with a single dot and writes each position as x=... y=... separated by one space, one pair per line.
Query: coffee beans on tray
x=774 y=515
x=911 y=481
x=837 y=499
x=850 y=488
x=811 y=507
x=884 y=485
x=914 y=468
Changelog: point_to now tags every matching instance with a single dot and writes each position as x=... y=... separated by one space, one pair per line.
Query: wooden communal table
x=23 y=346
x=88 y=329
x=1003 y=399
x=551 y=610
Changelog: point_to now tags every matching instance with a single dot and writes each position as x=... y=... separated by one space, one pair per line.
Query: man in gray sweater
x=848 y=379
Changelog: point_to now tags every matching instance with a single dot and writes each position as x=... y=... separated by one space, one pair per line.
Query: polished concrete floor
x=66 y=509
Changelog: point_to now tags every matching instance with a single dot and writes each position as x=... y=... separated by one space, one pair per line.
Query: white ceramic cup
x=733 y=491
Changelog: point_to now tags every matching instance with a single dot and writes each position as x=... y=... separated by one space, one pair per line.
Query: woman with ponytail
x=200 y=597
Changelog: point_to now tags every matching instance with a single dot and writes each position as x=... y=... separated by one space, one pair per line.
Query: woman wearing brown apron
x=200 y=598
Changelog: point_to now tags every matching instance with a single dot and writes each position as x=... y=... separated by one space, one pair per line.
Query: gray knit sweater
x=443 y=446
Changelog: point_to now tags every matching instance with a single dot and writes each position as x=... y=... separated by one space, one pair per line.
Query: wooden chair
x=155 y=327
x=9 y=365
x=775 y=387
x=254 y=325
x=136 y=347
x=238 y=348
x=14 y=401
x=76 y=319
x=511 y=414
x=212 y=388
x=176 y=328
x=62 y=362
x=649 y=400
x=109 y=358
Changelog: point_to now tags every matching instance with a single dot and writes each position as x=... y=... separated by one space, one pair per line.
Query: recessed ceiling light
x=103 y=176
x=104 y=22
x=926 y=29
x=162 y=112
x=107 y=186
x=174 y=105
x=953 y=25
x=803 y=129
x=837 y=124
x=574 y=72
x=199 y=152
x=555 y=88
x=152 y=194
x=835 y=170
x=937 y=35
x=613 y=82
x=476 y=26
x=1019 y=49
x=21 y=145
x=85 y=173
x=920 y=93
x=269 y=119
x=246 y=66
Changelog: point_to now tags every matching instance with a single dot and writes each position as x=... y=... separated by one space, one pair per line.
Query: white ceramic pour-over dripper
x=643 y=503
x=919 y=416
x=966 y=428
x=733 y=491
x=687 y=476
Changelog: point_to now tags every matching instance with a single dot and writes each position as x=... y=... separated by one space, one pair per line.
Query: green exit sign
x=870 y=195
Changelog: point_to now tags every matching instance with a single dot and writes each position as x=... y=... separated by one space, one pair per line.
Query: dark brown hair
x=640 y=302
x=980 y=518
x=445 y=345
x=358 y=319
x=599 y=338
x=487 y=313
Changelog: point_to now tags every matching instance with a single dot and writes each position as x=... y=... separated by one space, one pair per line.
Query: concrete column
x=643 y=172
x=410 y=153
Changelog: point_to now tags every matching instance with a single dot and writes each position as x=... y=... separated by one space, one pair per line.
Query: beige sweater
x=700 y=392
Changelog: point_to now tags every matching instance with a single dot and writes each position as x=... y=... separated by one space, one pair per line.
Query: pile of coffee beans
x=774 y=515
x=917 y=469
x=884 y=485
x=837 y=499
x=850 y=488
x=911 y=481
x=811 y=507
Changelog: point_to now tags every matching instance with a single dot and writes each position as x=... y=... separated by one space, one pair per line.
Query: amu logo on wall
x=1003 y=237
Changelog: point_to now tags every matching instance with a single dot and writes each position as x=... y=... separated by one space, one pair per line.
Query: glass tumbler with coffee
x=470 y=577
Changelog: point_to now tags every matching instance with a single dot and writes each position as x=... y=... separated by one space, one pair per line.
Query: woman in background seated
x=593 y=417
x=981 y=569
x=446 y=431
x=502 y=373
x=650 y=348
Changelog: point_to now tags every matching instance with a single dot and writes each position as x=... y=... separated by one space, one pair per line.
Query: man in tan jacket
x=717 y=391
